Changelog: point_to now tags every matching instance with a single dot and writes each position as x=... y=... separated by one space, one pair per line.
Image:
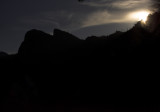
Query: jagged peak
x=59 y=34
x=35 y=34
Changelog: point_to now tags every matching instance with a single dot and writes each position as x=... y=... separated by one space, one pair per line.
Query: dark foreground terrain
x=61 y=72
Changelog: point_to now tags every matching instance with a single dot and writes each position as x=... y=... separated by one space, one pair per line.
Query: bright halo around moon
x=140 y=15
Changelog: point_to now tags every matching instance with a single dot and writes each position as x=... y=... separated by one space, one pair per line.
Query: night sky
x=91 y=17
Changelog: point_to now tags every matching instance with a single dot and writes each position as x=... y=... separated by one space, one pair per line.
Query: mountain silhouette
x=98 y=69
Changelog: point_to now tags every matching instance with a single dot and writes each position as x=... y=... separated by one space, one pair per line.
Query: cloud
x=155 y=5
x=96 y=18
x=118 y=4
x=89 y=13
x=104 y=17
x=131 y=4
x=113 y=11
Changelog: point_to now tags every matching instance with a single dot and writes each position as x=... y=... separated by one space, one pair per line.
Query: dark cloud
x=118 y=4
x=156 y=5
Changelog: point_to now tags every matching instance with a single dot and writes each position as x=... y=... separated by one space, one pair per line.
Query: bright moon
x=140 y=16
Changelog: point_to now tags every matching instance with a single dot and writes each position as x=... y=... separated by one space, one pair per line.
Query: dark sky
x=91 y=17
